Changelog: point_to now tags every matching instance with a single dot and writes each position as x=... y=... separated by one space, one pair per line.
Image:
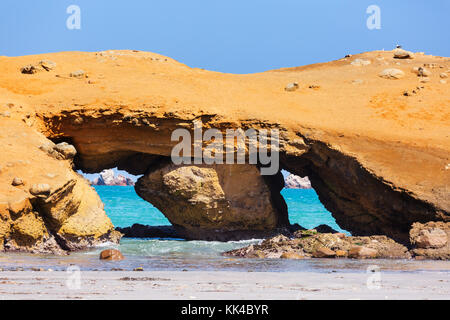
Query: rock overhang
x=357 y=140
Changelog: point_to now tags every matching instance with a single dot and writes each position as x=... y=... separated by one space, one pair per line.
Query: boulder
x=47 y=65
x=40 y=189
x=392 y=74
x=403 y=54
x=292 y=255
x=216 y=202
x=29 y=69
x=323 y=252
x=359 y=252
x=360 y=62
x=291 y=86
x=431 y=240
x=422 y=72
x=111 y=254
x=67 y=150
x=17 y=182
x=323 y=228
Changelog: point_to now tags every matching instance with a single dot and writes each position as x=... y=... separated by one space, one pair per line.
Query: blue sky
x=228 y=35
x=237 y=36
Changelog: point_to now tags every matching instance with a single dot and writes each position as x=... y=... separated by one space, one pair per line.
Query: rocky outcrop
x=143 y=231
x=431 y=240
x=295 y=182
x=211 y=201
x=108 y=178
x=53 y=209
x=377 y=158
x=311 y=244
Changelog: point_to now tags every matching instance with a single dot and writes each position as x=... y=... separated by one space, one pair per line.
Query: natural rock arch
x=376 y=150
x=359 y=200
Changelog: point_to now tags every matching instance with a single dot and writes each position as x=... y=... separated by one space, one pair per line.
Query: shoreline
x=192 y=285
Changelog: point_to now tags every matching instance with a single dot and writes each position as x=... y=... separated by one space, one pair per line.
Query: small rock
x=431 y=238
x=314 y=86
x=360 y=252
x=29 y=69
x=111 y=254
x=357 y=81
x=291 y=86
x=422 y=72
x=391 y=73
x=425 y=80
x=5 y=114
x=360 y=62
x=324 y=252
x=292 y=255
x=403 y=54
x=37 y=269
x=47 y=65
x=443 y=81
x=341 y=253
x=78 y=74
x=67 y=150
x=406 y=93
x=17 y=182
x=40 y=189
x=323 y=228
x=443 y=75
x=138 y=269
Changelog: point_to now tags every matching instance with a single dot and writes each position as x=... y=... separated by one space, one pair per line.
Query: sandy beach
x=223 y=285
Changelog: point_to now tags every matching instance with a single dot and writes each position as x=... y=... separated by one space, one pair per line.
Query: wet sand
x=223 y=285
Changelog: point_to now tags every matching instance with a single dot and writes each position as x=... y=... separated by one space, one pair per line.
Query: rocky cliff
x=295 y=182
x=372 y=137
x=108 y=178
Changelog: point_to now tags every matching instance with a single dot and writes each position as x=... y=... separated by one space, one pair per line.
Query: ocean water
x=124 y=208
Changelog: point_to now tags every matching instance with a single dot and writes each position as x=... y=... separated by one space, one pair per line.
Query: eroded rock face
x=357 y=199
x=377 y=158
x=219 y=202
x=53 y=210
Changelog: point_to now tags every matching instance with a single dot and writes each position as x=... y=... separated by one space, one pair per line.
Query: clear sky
x=238 y=36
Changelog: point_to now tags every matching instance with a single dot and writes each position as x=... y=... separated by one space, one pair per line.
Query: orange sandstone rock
x=111 y=254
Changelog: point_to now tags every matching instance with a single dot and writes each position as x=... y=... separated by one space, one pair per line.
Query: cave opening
x=126 y=208
x=304 y=205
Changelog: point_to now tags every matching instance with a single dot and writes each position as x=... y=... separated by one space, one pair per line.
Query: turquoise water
x=124 y=207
